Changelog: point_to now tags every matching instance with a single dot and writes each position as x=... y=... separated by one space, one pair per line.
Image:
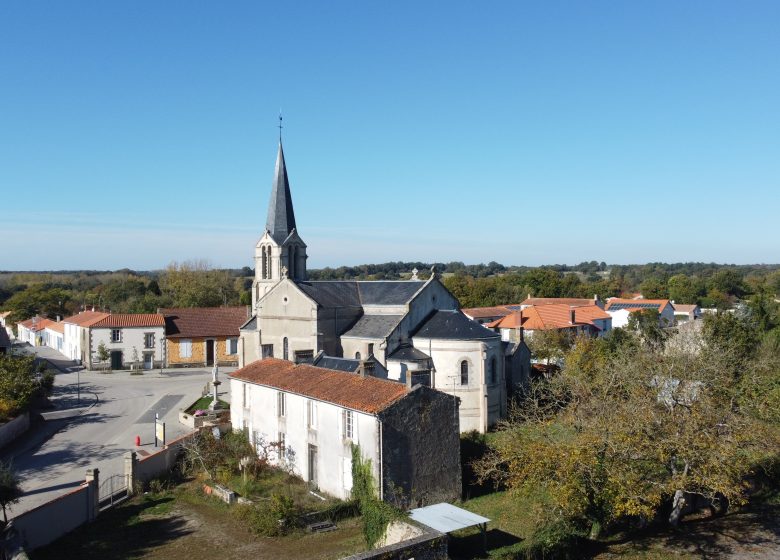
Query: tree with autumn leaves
x=627 y=429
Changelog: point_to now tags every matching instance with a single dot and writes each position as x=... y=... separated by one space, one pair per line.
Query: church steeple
x=281 y=217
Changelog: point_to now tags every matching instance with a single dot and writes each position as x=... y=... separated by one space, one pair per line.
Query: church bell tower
x=280 y=253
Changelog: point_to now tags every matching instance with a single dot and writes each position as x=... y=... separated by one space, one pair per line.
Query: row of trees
x=632 y=427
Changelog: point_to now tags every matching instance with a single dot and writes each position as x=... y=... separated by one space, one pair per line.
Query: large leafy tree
x=622 y=430
x=196 y=284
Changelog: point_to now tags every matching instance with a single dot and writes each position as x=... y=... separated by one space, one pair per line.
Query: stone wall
x=421 y=449
x=198 y=357
x=430 y=546
x=14 y=428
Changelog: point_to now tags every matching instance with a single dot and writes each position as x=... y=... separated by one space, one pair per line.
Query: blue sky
x=133 y=134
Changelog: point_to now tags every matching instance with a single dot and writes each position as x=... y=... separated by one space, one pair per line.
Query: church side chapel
x=409 y=331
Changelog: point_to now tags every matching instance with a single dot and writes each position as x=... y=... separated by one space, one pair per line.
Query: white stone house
x=32 y=330
x=77 y=334
x=620 y=309
x=133 y=340
x=54 y=335
x=410 y=435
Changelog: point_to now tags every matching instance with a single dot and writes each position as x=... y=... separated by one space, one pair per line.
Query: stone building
x=410 y=434
x=201 y=336
x=413 y=328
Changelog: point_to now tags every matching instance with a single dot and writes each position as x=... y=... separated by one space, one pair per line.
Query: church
x=410 y=331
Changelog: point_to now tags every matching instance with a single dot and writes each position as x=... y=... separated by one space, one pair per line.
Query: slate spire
x=281 y=218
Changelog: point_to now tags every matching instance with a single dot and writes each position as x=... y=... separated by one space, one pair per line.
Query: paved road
x=54 y=456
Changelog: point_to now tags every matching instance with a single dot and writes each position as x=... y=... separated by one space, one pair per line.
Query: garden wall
x=430 y=546
x=14 y=428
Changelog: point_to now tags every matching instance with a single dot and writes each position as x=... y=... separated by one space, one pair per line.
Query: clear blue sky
x=137 y=133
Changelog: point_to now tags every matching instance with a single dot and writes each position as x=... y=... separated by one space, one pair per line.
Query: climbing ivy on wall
x=376 y=513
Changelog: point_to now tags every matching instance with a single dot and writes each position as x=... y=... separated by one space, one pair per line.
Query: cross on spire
x=280 y=125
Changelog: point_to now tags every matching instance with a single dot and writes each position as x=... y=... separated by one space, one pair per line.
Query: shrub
x=275 y=520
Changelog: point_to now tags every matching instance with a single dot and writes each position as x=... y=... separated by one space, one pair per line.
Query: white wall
x=258 y=414
x=131 y=337
x=476 y=411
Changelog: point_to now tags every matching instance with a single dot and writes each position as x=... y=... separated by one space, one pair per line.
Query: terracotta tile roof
x=366 y=394
x=482 y=312
x=623 y=303
x=554 y=300
x=56 y=327
x=39 y=322
x=552 y=316
x=685 y=307
x=197 y=322
x=85 y=318
x=119 y=320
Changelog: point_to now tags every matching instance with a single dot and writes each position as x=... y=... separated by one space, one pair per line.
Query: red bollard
x=138 y=441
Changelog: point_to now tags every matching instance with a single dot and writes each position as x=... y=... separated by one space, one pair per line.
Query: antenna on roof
x=280 y=124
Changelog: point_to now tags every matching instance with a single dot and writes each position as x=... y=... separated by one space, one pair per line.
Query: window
x=347 y=424
x=311 y=414
x=185 y=348
x=268 y=350
x=357 y=355
x=368 y=367
x=492 y=370
x=282 y=446
x=285 y=349
x=231 y=346
x=116 y=335
x=371 y=349
x=281 y=404
x=149 y=340
x=304 y=356
x=464 y=373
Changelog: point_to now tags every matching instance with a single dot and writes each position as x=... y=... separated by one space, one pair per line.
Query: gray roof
x=5 y=342
x=357 y=293
x=339 y=364
x=408 y=353
x=453 y=325
x=250 y=325
x=281 y=218
x=446 y=518
x=374 y=326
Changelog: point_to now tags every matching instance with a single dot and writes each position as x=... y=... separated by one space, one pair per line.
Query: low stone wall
x=430 y=546
x=150 y=466
x=48 y=522
x=14 y=428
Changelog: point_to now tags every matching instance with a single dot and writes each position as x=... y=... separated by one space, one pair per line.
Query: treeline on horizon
x=197 y=284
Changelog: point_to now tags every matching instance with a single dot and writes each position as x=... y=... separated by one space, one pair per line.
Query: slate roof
x=281 y=218
x=373 y=326
x=5 y=341
x=359 y=293
x=250 y=325
x=198 y=322
x=408 y=353
x=120 y=320
x=366 y=394
x=85 y=318
x=453 y=325
x=339 y=364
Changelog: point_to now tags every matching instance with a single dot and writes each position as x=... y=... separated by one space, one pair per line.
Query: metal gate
x=112 y=490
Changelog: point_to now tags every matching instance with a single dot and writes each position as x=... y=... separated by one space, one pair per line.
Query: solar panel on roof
x=617 y=306
x=514 y=307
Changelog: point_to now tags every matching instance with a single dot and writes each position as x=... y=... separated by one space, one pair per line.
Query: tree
x=613 y=437
x=683 y=289
x=654 y=288
x=645 y=323
x=102 y=353
x=10 y=488
x=196 y=284
x=549 y=344
x=18 y=385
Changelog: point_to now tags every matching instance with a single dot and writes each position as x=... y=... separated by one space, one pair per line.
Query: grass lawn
x=183 y=524
x=203 y=404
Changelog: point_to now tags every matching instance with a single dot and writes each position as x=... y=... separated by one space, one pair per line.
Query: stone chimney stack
x=571 y=317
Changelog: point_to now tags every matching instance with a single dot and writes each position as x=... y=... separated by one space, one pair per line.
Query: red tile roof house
x=133 y=341
x=410 y=435
x=32 y=330
x=590 y=320
x=621 y=308
x=77 y=333
x=197 y=336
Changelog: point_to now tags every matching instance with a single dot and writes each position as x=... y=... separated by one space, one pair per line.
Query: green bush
x=47 y=381
x=275 y=520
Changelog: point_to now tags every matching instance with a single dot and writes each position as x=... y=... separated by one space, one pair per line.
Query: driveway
x=110 y=409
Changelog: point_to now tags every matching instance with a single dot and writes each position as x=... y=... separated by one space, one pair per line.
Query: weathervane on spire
x=280 y=125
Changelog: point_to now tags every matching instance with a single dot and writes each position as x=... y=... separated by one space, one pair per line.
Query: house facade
x=620 y=309
x=588 y=320
x=132 y=340
x=32 y=330
x=203 y=336
x=401 y=325
x=316 y=415
x=77 y=334
x=54 y=335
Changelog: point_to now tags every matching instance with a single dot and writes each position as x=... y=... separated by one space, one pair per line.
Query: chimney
x=361 y=370
x=93 y=308
x=571 y=312
x=59 y=318
x=522 y=328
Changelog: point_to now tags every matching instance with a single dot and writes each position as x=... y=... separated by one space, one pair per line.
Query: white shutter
x=355 y=431
x=346 y=465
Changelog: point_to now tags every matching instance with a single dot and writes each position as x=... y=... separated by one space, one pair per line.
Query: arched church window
x=357 y=355
x=464 y=373
x=269 y=272
x=263 y=266
x=285 y=349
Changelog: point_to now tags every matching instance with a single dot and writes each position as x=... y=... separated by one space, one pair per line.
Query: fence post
x=131 y=464
x=93 y=493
